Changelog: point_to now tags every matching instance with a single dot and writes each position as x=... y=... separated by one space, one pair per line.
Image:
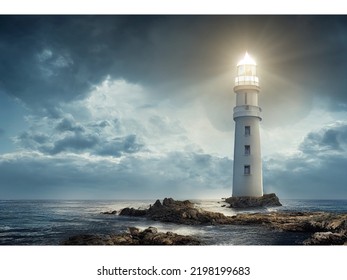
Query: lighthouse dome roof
x=247 y=60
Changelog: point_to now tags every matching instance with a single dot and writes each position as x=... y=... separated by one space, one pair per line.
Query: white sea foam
x=215 y=206
x=5 y=228
x=179 y=229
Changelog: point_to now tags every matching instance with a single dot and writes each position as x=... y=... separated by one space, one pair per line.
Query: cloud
x=114 y=142
x=65 y=56
x=141 y=90
x=120 y=145
x=35 y=175
x=74 y=143
x=103 y=127
x=67 y=124
x=328 y=139
x=317 y=170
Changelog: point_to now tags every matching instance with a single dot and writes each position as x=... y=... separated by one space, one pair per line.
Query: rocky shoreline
x=325 y=228
x=134 y=236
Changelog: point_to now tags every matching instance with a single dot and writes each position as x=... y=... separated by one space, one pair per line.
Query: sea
x=50 y=222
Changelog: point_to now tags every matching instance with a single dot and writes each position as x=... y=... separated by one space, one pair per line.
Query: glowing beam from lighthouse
x=247 y=60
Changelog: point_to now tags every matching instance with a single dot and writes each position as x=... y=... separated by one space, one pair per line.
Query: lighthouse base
x=267 y=200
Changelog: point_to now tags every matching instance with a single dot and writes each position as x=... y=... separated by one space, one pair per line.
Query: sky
x=140 y=107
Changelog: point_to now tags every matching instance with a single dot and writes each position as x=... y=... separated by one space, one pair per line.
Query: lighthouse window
x=247 y=169
x=247 y=150
x=247 y=130
x=248 y=70
x=241 y=69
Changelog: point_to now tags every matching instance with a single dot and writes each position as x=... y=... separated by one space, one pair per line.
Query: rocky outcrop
x=180 y=212
x=295 y=221
x=267 y=200
x=327 y=238
x=326 y=228
x=134 y=236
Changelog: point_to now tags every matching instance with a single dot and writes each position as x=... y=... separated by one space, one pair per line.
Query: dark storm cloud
x=67 y=124
x=74 y=177
x=318 y=171
x=71 y=137
x=125 y=142
x=45 y=59
x=303 y=178
x=325 y=140
x=77 y=142
x=31 y=140
x=120 y=145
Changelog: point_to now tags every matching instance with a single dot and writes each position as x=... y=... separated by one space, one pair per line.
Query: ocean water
x=49 y=222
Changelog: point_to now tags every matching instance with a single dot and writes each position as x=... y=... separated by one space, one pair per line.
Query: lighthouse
x=247 y=176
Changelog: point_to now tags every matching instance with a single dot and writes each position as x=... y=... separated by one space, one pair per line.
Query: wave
x=5 y=228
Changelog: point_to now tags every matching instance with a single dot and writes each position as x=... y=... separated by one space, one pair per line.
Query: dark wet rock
x=149 y=236
x=114 y=212
x=326 y=228
x=179 y=212
x=134 y=231
x=133 y=212
x=327 y=238
x=267 y=200
x=295 y=221
x=185 y=212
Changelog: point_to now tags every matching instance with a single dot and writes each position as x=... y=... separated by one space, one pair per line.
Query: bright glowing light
x=247 y=60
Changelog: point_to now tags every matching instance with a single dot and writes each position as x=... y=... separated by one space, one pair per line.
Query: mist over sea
x=49 y=222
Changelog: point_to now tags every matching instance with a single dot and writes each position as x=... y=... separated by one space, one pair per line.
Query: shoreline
x=325 y=228
x=62 y=219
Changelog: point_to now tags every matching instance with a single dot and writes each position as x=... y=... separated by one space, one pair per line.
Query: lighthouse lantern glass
x=247 y=72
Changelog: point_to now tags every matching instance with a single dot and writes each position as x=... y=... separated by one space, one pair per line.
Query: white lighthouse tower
x=248 y=179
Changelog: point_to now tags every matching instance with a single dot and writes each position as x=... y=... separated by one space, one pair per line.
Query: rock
x=149 y=236
x=151 y=230
x=180 y=212
x=114 y=212
x=133 y=212
x=327 y=228
x=185 y=212
x=327 y=238
x=134 y=231
x=267 y=200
